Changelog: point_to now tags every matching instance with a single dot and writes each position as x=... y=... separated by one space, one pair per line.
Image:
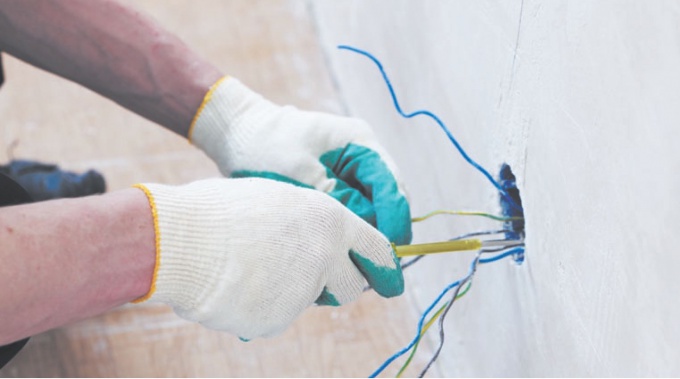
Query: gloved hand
x=248 y=136
x=247 y=256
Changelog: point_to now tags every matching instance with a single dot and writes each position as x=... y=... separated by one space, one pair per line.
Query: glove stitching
x=205 y=101
x=157 y=243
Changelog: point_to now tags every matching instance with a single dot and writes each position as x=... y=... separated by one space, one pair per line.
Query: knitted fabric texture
x=247 y=256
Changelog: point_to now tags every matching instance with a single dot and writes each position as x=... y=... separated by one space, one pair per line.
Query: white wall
x=583 y=100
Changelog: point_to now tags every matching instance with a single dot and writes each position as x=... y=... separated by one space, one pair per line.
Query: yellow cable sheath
x=437 y=247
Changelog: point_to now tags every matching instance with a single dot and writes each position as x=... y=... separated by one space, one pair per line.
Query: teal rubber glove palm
x=249 y=136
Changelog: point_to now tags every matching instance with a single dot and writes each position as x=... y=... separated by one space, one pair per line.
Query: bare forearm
x=113 y=50
x=66 y=260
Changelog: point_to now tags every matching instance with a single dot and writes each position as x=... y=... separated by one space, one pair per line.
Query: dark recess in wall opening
x=515 y=227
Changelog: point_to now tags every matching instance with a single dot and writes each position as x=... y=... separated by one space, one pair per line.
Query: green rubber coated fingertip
x=244 y=339
x=388 y=282
x=327 y=298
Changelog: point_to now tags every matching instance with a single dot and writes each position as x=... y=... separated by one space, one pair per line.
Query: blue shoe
x=47 y=181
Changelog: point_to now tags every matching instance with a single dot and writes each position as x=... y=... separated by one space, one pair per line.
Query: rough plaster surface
x=582 y=100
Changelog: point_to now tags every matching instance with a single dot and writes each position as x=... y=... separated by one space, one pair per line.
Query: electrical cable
x=415 y=347
x=420 y=324
x=467 y=279
x=408 y=347
x=494 y=249
x=461 y=237
x=465 y=213
x=411 y=262
x=472 y=244
x=516 y=250
x=441 y=124
x=443 y=293
x=411 y=250
x=464 y=236
x=483 y=233
x=454 y=298
x=425 y=329
x=459 y=283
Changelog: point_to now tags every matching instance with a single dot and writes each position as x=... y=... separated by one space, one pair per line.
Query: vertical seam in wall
x=514 y=57
x=335 y=82
x=525 y=126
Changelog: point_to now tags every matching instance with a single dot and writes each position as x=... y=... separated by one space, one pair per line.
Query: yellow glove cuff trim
x=205 y=101
x=157 y=233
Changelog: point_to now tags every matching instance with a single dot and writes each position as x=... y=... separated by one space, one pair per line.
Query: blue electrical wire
x=474 y=164
x=420 y=328
x=446 y=130
x=517 y=250
x=455 y=284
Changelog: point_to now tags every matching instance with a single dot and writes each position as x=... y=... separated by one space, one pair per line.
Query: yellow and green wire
x=439 y=312
x=426 y=327
x=463 y=213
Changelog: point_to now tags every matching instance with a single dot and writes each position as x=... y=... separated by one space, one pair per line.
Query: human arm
x=69 y=259
x=127 y=57
x=245 y=256
x=113 y=50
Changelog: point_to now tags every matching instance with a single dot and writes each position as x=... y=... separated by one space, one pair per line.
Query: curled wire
x=467 y=279
x=425 y=329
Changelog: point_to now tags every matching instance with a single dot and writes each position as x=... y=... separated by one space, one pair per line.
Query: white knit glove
x=247 y=256
x=248 y=136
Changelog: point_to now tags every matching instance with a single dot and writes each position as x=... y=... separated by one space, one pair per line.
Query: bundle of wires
x=442 y=312
x=503 y=251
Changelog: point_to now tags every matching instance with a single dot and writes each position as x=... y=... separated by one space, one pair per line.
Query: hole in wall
x=515 y=227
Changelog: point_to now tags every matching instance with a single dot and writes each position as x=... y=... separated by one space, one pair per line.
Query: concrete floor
x=270 y=45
